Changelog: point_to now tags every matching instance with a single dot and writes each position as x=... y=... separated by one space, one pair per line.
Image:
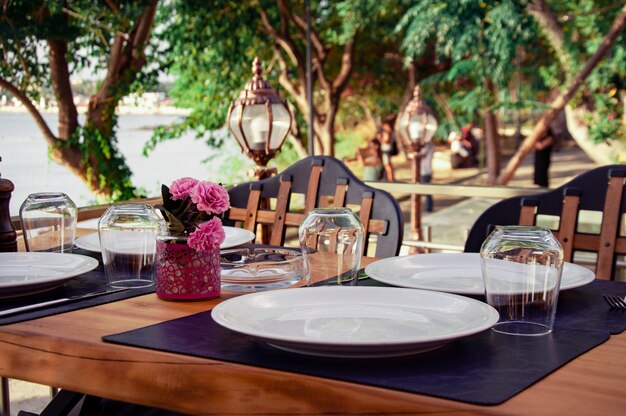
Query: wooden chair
x=321 y=181
x=598 y=192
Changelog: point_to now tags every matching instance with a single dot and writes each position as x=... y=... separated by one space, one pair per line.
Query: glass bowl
x=259 y=269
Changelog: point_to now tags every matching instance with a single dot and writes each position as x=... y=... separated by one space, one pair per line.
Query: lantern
x=259 y=119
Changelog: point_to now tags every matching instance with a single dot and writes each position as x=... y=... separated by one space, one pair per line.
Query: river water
x=26 y=163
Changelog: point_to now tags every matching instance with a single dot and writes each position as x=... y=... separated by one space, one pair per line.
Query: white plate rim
x=491 y=316
x=91 y=242
x=372 y=270
x=87 y=265
x=242 y=236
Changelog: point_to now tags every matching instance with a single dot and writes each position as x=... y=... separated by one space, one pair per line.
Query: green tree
x=574 y=31
x=582 y=80
x=480 y=40
x=549 y=41
x=44 y=42
x=211 y=50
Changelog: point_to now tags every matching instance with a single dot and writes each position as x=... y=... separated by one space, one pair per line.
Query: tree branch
x=552 y=30
x=112 y=6
x=301 y=24
x=284 y=41
x=142 y=30
x=347 y=61
x=41 y=123
x=296 y=92
x=561 y=101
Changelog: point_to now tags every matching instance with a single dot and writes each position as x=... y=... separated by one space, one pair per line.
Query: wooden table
x=67 y=351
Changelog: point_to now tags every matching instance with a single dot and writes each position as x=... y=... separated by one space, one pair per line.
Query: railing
x=496 y=192
x=470 y=191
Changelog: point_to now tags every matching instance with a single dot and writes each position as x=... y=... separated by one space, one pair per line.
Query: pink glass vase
x=182 y=273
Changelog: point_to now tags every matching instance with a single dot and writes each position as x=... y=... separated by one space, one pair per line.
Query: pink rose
x=182 y=187
x=208 y=236
x=210 y=197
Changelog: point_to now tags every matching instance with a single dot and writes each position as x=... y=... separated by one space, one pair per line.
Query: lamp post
x=260 y=120
x=417 y=126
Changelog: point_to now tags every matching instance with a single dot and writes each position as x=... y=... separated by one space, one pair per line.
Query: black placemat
x=486 y=368
x=93 y=281
x=584 y=307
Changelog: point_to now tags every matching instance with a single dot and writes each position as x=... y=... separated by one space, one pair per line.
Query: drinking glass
x=49 y=222
x=331 y=240
x=128 y=244
x=521 y=269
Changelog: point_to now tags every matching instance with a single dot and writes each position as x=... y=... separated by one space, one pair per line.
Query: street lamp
x=260 y=120
x=417 y=125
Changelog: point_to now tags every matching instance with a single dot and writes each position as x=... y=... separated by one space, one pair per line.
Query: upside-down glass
x=49 y=222
x=128 y=244
x=331 y=240
x=521 y=269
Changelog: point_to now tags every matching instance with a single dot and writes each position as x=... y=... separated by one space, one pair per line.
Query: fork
x=615 y=302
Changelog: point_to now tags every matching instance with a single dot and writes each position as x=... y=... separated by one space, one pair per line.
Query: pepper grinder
x=8 y=236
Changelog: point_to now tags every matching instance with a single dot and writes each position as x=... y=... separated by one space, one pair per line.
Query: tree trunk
x=559 y=103
x=59 y=72
x=492 y=139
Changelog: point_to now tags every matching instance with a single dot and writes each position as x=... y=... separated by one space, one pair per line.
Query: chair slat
x=314 y=184
x=567 y=225
x=249 y=222
x=608 y=230
x=340 y=192
x=282 y=204
x=527 y=212
x=366 y=212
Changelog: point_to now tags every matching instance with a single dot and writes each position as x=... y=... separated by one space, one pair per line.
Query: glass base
x=529 y=329
x=131 y=284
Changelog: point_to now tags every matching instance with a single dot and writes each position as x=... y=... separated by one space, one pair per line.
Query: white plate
x=29 y=273
x=354 y=321
x=455 y=273
x=234 y=237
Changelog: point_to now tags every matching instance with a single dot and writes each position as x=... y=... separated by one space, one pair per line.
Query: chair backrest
x=322 y=181
x=600 y=190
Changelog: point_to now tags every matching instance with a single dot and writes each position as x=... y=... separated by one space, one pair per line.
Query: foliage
x=500 y=40
x=586 y=24
x=210 y=51
x=480 y=40
x=87 y=30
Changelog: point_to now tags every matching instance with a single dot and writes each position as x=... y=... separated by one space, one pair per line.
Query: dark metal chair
x=600 y=190
x=322 y=181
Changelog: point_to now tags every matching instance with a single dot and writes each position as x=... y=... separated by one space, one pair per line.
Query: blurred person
x=427 y=152
x=470 y=143
x=460 y=156
x=371 y=159
x=388 y=148
x=543 y=154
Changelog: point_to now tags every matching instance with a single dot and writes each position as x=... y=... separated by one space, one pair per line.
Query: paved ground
x=452 y=216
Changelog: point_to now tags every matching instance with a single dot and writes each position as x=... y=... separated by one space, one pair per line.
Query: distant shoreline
x=159 y=110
